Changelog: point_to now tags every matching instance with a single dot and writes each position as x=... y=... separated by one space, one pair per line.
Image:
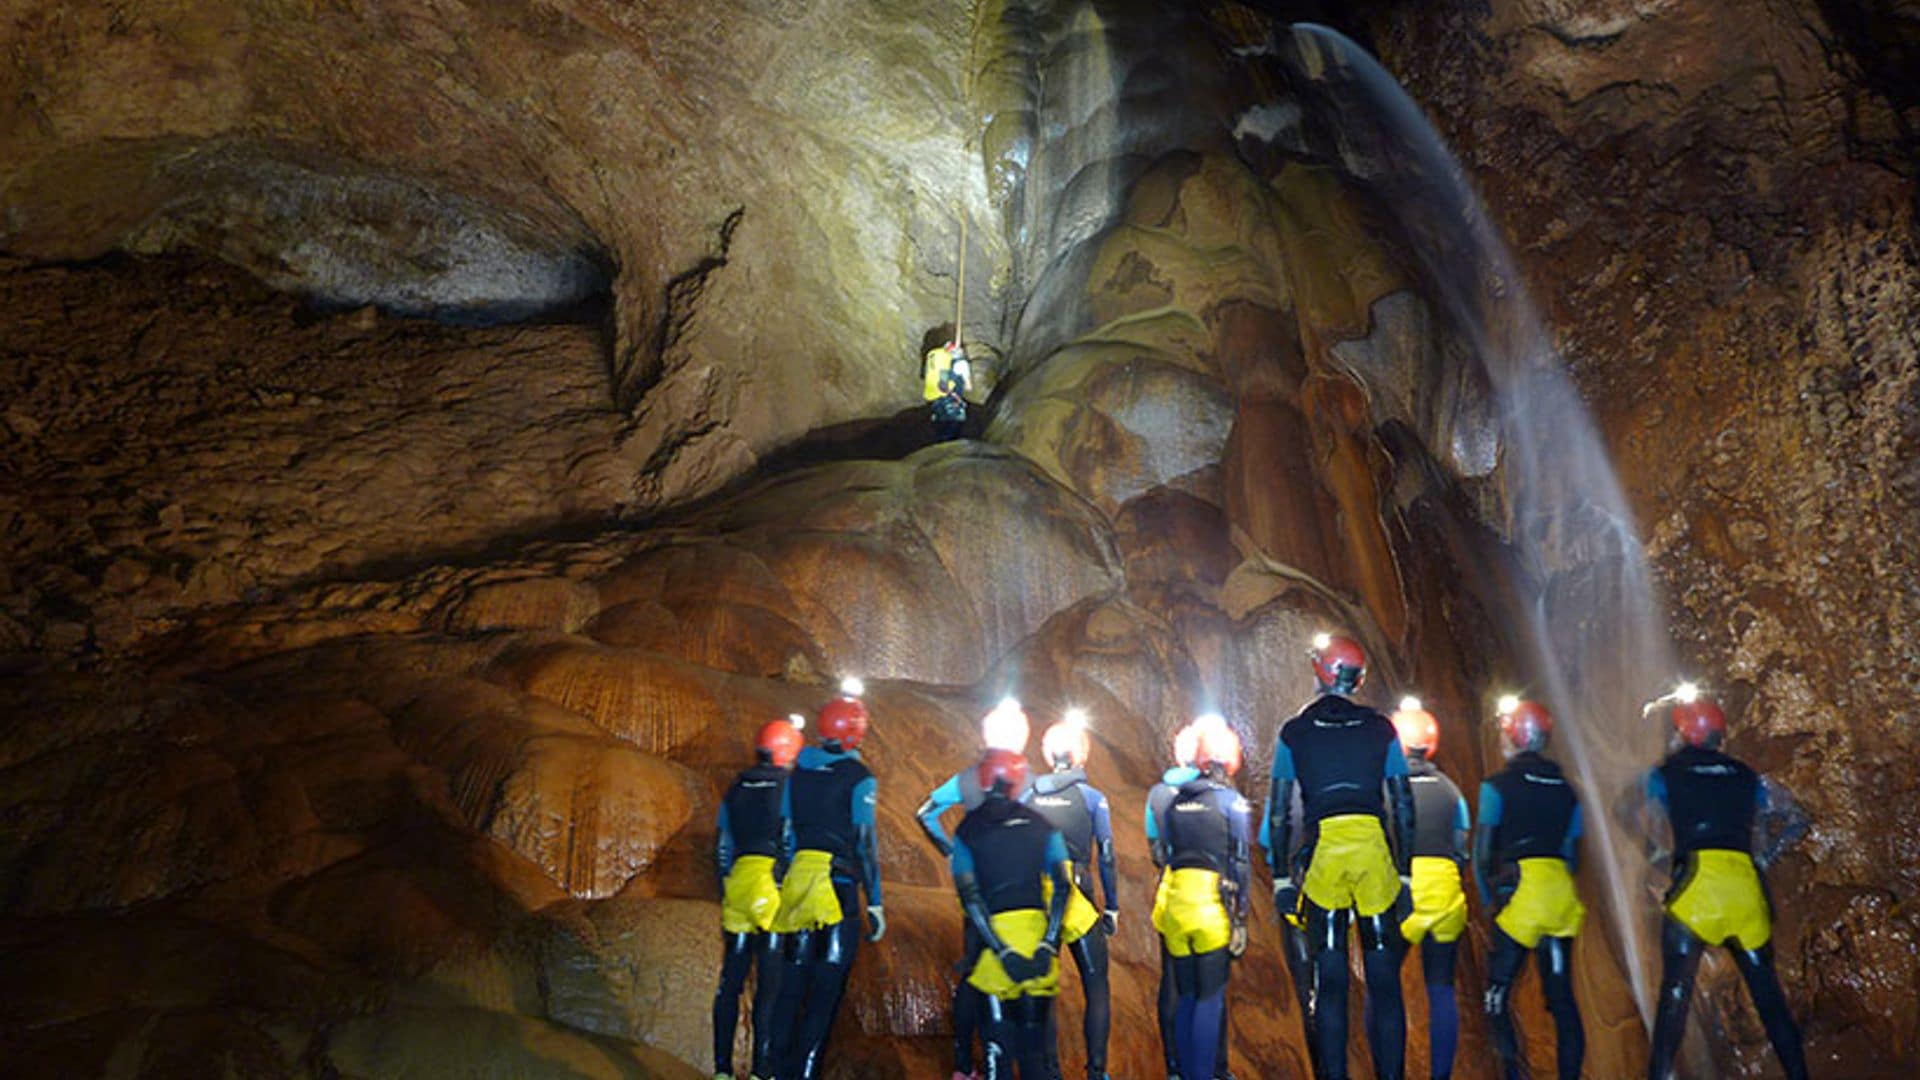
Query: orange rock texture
x=371 y=679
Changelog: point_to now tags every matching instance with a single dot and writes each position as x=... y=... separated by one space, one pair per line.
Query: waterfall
x=1592 y=618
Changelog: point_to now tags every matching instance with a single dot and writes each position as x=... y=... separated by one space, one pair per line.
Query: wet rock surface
x=370 y=683
x=1715 y=205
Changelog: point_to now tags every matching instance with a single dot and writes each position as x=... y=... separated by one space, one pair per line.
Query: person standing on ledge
x=1005 y=727
x=1525 y=849
x=1079 y=811
x=948 y=375
x=1201 y=910
x=751 y=840
x=1357 y=808
x=830 y=802
x=1440 y=833
x=1718 y=808
x=1014 y=878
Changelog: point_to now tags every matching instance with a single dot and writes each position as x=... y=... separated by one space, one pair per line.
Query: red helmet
x=1068 y=742
x=1419 y=731
x=1217 y=744
x=778 y=741
x=843 y=720
x=1527 y=725
x=1699 y=722
x=997 y=767
x=1339 y=664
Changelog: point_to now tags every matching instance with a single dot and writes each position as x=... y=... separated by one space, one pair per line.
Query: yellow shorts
x=751 y=898
x=807 y=899
x=1081 y=916
x=1352 y=866
x=1722 y=900
x=1439 y=903
x=1189 y=913
x=1021 y=930
x=1544 y=905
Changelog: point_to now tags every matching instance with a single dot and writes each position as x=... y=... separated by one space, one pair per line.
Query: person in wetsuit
x=1201 y=909
x=1159 y=797
x=1014 y=878
x=1293 y=922
x=1005 y=727
x=1717 y=808
x=1344 y=762
x=1079 y=811
x=1525 y=850
x=1440 y=832
x=830 y=803
x=751 y=840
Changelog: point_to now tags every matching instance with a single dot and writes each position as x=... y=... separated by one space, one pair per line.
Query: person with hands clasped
x=1013 y=875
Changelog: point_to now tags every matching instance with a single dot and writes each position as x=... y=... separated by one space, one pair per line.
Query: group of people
x=1362 y=833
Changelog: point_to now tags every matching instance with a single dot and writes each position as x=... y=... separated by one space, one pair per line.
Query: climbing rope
x=960 y=300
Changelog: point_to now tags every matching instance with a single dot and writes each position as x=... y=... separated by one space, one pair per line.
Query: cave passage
x=441 y=442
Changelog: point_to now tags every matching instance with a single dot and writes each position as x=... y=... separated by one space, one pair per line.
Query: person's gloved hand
x=876 y=922
x=1021 y=968
x=1286 y=896
x=1237 y=940
x=1110 y=922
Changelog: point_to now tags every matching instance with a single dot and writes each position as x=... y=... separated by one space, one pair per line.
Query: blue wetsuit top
x=1340 y=757
x=1528 y=810
x=1440 y=820
x=1210 y=827
x=752 y=820
x=1080 y=811
x=1714 y=801
x=1160 y=796
x=1007 y=849
x=831 y=800
x=962 y=789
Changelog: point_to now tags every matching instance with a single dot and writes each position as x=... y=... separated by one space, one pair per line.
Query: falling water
x=1595 y=628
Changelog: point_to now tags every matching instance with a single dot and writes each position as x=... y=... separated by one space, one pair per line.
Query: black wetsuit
x=751 y=823
x=962 y=789
x=1003 y=853
x=1207 y=828
x=1159 y=800
x=1440 y=829
x=1079 y=811
x=1344 y=759
x=1528 y=810
x=1716 y=803
x=830 y=804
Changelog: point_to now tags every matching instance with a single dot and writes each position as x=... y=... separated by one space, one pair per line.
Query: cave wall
x=480 y=160
x=1715 y=205
x=415 y=655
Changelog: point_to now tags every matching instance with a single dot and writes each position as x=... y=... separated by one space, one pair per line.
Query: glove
x=1237 y=941
x=1021 y=968
x=876 y=922
x=1286 y=896
x=1110 y=922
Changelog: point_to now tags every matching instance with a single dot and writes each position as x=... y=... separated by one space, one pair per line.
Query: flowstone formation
x=371 y=681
